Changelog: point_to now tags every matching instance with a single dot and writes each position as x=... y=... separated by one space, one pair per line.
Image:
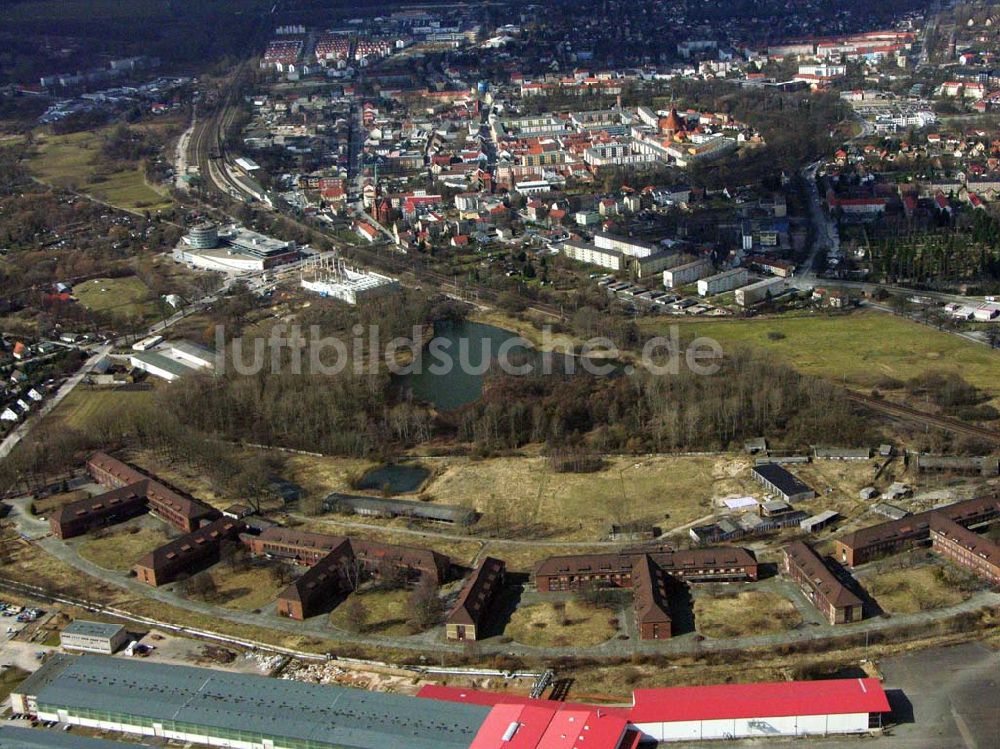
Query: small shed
x=819 y=521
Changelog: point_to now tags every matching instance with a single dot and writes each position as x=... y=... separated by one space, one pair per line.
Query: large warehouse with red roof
x=735 y=711
x=724 y=711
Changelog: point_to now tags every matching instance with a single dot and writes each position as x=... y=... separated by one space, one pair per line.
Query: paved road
x=24 y=428
x=540 y=543
x=429 y=642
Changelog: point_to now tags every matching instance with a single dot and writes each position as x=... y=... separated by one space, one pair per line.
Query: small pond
x=396 y=478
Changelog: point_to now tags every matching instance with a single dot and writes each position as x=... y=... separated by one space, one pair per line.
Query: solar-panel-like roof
x=280 y=710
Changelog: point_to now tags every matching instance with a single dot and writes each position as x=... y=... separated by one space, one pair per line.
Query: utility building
x=769 y=710
x=778 y=480
x=93 y=637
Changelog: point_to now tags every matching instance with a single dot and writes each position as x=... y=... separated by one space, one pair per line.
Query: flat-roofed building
x=542 y=726
x=14 y=737
x=238 y=250
x=387 y=507
x=687 y=273
x=834 y=600
x=93 y=637
x=585 y=252
x=468 y=617
x=237 y=711
x=158 y=365
x=723 y=282
x=626 y=245
x=759 y=291
x=649 y=265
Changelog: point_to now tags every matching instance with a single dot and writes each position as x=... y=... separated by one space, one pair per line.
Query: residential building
x=866 y=544
x=974 y=552
x=834 y=600
x=759 y=291
x=132 y=493
x=469 y=616
x=711 y=564
x=686 y=273
x=723 y=282
x=337 y=564
x=584 y=252
x=188 y=554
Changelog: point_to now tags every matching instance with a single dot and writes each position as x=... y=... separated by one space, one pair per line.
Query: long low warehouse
x=725 y=711
x=162 y=702
x=738 y=711
x=205 y=706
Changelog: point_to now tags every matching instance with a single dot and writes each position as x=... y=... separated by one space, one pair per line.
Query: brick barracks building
x=649 y=575
x=978 y=554
x=838 y=604
x=188 y=554
x=466 y=619
x=333 y=560
x=132 y=493
x=884 y=539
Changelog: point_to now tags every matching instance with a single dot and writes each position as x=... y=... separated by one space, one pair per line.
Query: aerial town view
x=551 y=374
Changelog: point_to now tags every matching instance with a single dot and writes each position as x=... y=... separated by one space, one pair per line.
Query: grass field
x=121 y=548
x=385 y=613
x=245 y=590
x=539 y=625
x=125 y=297
x=527 y=495
x=857 y=349
x=83 y=407
x=69 y=161
x=752 y=612
x=911 y=590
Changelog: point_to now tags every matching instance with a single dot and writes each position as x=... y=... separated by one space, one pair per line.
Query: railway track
x=947 y=423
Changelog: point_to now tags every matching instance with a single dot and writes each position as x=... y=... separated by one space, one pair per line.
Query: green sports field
x=857 y=349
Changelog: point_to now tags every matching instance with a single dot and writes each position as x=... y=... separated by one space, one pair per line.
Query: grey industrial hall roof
x=786 y=482
x=273 y=708
x=12 y=737
x=412 y=507
x=92 y=629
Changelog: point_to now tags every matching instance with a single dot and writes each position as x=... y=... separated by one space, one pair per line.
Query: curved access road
x=431 y=641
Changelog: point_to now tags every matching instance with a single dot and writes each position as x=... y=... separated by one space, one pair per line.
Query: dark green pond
x=396 y=478
x=458 y=385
